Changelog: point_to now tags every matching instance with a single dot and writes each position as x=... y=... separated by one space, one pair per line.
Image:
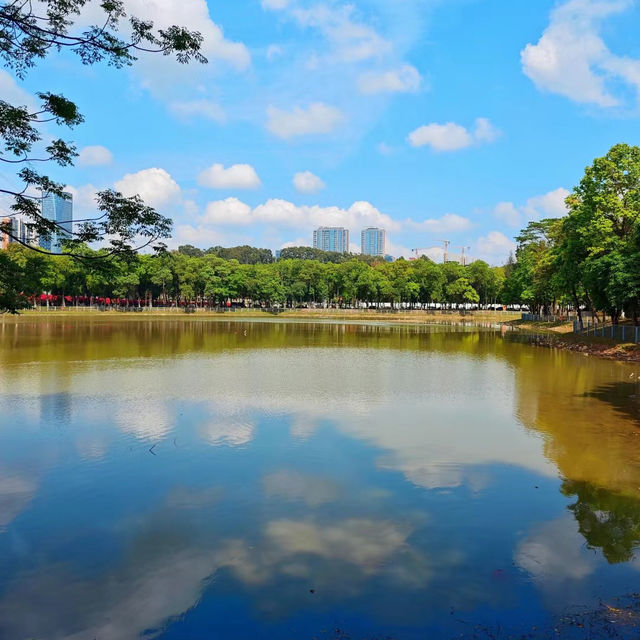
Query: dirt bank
x=561 y=337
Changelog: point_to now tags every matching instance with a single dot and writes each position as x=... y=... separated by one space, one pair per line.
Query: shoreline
x=560 y=336
x=311 y=315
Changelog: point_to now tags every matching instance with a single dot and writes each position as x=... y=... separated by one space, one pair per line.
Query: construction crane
x=447 y=244
x=419 y=252
x=463 y=262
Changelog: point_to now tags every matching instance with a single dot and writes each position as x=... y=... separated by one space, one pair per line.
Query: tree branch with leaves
x=29 y=32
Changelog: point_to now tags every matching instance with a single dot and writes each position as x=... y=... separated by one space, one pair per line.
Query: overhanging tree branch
x=27 y=37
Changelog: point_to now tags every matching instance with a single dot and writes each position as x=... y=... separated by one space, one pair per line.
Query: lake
x=208 y=479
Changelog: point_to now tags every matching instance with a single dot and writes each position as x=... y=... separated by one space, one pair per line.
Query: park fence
x=536 y=317
x=615 y=332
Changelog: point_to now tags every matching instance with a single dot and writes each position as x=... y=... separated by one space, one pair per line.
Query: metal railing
x=536 y=317
x=615 y=332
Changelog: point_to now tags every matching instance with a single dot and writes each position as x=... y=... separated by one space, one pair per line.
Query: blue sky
x=450 y=120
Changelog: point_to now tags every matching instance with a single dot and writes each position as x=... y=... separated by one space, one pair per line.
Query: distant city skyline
x=334 y=239
x=52 y=207
x=20 y=231
x=373 y=241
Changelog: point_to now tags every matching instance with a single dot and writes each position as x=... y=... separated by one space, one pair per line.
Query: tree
x=190 y=250
x=600 y=235
x=29 y=32
x=460 y=291
x=243 y=254
x=404 y=288
x=350 y=285
x=32 y=269
x=216 y=276
x=532 y=279
x=484 y=280
x=430 y=280
x=12 y=278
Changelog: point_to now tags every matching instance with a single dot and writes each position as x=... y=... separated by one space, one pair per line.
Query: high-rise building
x=5 y=239
x=331 y=239
x=60 y=211
x=19 y=231
x=373 y=241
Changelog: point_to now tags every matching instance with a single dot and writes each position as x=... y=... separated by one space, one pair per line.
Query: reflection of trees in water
x=588 y=412
x=585 y=410
x=607 y=520
x=81 y=339
x=624 y=397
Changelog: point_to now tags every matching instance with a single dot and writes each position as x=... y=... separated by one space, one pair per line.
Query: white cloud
x=485 y=131
x=508 y=213
x=494 y=248
x=238 y=176
x=203 y=235
x=298 y=242
x=555 y=552
x=452 y=136
x=155 y=186
x=144 y=418
x=94 y=156
x=16 y=492
x=402 y=80
x=202 y=108
x=441 y=137
x=364 y=543
x=397 y=250
x=273 y=51
x=231 y=211
x=316 y=119
x=385 y=149
x=351 y=40
x=281 y=216
x=84 y=200
x=231 y=434
x=448 y=223
x=193 y=14
x=275 y=5
x=284 y=214
x=142 y=592
x=572 y=60
x=14 y=94
x=548 y=205
x=307 y=182
x=163 y=75
x=290 y=485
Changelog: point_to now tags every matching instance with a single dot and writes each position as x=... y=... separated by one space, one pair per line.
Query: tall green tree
x=532 y=277
x=599 y=252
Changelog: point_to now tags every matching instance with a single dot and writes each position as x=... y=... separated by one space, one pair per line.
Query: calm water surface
x=212 y=479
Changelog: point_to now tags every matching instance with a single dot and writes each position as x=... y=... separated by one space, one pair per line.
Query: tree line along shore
x=204 y=279
x=588 y=260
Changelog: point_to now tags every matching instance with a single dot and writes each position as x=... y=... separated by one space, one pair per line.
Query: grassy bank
x=346 y=315
x=552 y=328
